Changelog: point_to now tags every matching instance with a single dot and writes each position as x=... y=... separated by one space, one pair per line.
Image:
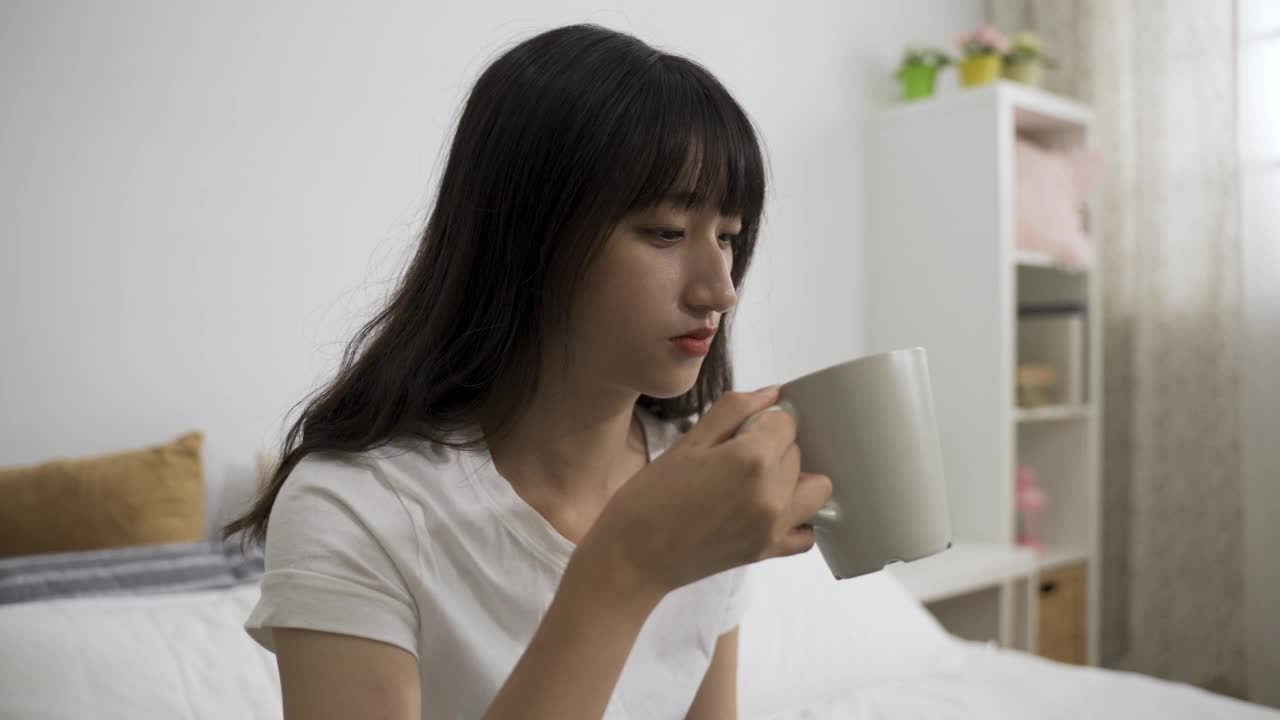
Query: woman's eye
x=671 y=235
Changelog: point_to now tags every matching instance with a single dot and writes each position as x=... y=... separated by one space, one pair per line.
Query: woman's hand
x=711 y=502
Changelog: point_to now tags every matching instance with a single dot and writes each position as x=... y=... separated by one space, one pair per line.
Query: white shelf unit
x=1053 y=412
x=964 y=568
x=1060 y=555
x=1027 y=258
x=976 y=590
x=943 y=272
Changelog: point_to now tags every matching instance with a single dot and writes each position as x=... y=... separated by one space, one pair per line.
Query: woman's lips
x=693 y=346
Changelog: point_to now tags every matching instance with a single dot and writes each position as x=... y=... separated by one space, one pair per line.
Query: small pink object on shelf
x=1030 y=502
x=1052 y=187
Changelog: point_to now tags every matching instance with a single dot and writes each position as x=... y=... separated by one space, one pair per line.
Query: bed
x=995 y=684
x=811 y=648
x=864 y=648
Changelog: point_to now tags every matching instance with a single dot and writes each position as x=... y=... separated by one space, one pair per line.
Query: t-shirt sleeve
x=329 y=558
x=739 y=598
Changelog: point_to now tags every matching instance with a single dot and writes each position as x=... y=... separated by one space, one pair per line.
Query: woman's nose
x=711 y=284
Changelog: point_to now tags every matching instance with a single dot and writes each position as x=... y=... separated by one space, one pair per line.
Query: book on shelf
x=1052 y=354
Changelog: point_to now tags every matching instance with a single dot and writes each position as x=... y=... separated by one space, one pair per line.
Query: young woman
x=501 y=507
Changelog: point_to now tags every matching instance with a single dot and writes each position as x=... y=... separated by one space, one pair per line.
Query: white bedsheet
x=855 y=651
x=995 y=684
x=813 y=648
x=179 y=655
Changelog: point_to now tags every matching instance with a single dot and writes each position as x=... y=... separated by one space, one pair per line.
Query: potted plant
x=919 y=70
x=984 y=49
x=1025 y=62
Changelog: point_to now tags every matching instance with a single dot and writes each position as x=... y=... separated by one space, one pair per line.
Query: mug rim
x=861 y=359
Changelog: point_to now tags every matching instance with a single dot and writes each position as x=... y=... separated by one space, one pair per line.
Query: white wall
x=199 y=201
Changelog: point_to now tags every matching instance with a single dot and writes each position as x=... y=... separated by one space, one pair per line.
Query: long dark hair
x=559 y=139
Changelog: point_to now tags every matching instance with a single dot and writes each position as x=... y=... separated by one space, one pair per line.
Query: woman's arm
x=569 y=670
x=324 y=676
x=713 y=501
x=717 y=698
x=572 y=664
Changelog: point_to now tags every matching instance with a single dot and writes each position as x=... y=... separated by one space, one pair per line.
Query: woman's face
x=663 y=273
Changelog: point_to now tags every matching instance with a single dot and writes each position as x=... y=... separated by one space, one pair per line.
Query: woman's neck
x=573 y=443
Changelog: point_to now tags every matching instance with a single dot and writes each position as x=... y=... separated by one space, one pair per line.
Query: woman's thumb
x=728 y=413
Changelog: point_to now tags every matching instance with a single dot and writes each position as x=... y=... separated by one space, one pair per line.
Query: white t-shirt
x=431 y=550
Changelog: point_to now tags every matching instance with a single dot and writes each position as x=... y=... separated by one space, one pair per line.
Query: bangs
x=690 y=143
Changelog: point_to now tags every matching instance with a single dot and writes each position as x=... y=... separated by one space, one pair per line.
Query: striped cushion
x=129 y=570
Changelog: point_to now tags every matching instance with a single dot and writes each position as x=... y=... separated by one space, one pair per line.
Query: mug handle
x=829 y=514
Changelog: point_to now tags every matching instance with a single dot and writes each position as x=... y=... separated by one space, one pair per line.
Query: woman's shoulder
x=368 y=485
x=365 y=508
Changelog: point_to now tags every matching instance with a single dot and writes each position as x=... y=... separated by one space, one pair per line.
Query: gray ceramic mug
x=868 y=424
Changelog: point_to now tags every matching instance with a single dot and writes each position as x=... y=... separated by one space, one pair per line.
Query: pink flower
x=984 y=38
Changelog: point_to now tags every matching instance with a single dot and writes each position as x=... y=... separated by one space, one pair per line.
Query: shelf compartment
x=1052 y=355
x=1052 y=413
x=1061 y=456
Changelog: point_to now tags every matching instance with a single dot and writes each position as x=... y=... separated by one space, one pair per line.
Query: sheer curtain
x=1161 y=76
x=1259 y=48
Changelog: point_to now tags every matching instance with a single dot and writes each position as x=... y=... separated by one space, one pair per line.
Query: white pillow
x=180 y=655
x=807 y=635
x=229 y=492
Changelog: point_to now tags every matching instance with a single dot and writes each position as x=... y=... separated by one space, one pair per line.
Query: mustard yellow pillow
x=139 y=497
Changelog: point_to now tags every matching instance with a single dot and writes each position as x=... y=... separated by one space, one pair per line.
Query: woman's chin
x=672 y=387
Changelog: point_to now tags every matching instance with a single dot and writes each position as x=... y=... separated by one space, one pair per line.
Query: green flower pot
x=1028 y=72
x=917 y=81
